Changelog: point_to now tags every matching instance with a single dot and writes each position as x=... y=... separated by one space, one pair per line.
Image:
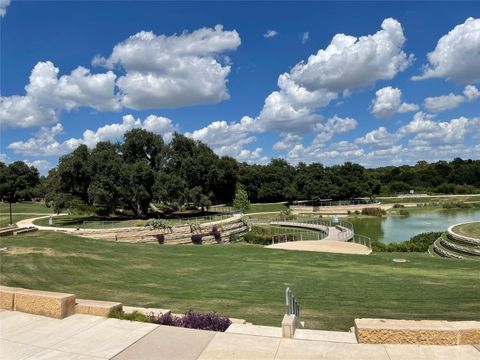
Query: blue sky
x=253 y=80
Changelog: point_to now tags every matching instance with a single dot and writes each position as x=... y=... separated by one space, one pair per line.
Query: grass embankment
x=21 y=211
x=245 y=281
x=25 y=207
x=470 y=229
x=267 y=207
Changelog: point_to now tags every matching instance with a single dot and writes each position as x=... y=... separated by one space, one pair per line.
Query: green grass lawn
x=245 y=281
x=25 y=207
x=472 y=230
x=267 y=207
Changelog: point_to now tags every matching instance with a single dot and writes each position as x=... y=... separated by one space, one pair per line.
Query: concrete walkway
x=29 y=223
x=83 y=337
x=329 y=246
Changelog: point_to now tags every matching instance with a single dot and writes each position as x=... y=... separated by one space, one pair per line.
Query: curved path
x=328 y=246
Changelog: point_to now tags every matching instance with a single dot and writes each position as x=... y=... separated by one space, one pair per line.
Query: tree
x=241 y=202
x=141 y=144
x=18 y=181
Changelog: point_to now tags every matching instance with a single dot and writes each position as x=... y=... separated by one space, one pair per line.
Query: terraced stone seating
x=453 y=245
x=178 y=235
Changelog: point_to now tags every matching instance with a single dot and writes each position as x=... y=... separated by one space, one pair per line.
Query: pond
x=391 y=229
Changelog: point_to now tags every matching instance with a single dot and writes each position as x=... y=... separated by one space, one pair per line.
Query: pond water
x=391 y=229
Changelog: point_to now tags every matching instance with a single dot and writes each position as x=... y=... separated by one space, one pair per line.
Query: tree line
x=144 y=173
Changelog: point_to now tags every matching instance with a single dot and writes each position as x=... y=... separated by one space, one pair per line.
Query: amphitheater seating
x=456 y=246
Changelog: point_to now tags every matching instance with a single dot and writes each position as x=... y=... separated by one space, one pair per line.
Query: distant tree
x=241 y=202
x=18 y=181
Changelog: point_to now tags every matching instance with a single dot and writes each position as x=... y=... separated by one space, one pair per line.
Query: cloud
x=157 y=72
x=438 y=104
x=305 y=37
x=47 y=95
x=379 y=138
x=3 y=7
x=172 y=71
x=270 y=34
x=351 y=62
x=4 y=158
x=430 y=133
x=44 y=142
x=288 y=141
x=388 y=102
x=348 y=62
x=43 y=166
x=456 y=56
x=471 y=93
x=225 y=138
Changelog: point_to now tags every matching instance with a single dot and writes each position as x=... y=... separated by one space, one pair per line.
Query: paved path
x=29 y=223
x=329 y=246
x=87 y=337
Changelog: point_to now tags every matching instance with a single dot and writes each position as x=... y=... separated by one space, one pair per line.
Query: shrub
x=404 y=213
x=397 y=206
x=204 y=321
x=197 y=239
x=258 y=235
x=160 y=238
x=192 y=319
x=158 y=223
x=417 y=243
x=373 y=211
x=134 y=316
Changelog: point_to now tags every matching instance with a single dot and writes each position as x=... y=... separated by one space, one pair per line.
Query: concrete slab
x=330 y=336
x=48 y=332
x=12 y=320
x=258 y=330
x=10 y=350
x=238 y=346
x=428 y=352
x=105 y=339
x=60 y=355
x=315 y=350
x=168 y=342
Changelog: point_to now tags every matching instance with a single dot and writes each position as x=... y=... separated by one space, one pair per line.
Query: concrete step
x=330 y=336
x=257 y=330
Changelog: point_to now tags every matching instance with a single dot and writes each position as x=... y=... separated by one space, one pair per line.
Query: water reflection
x=392 y=229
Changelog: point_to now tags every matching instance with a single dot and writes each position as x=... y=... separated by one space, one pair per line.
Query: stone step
x=96 y=307
x=330 y=336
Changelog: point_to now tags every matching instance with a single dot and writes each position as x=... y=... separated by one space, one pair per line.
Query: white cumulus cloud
x=441 y=103
x=47 y=95
x=456 y=56
x=45 y=142
x=388 y=102
x=172 y=71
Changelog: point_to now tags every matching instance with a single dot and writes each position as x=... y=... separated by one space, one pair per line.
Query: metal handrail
x=292 y=306
x=362 y=239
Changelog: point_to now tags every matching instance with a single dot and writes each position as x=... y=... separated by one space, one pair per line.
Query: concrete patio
x=27 y=336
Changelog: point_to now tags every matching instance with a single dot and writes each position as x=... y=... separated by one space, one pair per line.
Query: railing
x=346 y=230
x=320 y=227
x=336 y=203
x=292 y=306
x=297 y=236
x=362 y=239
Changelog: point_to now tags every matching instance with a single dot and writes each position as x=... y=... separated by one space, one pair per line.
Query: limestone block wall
x=178 y=235
x=423 y=332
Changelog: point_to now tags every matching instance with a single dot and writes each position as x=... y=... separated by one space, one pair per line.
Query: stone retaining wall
x=178 y=235
x=423 y=332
